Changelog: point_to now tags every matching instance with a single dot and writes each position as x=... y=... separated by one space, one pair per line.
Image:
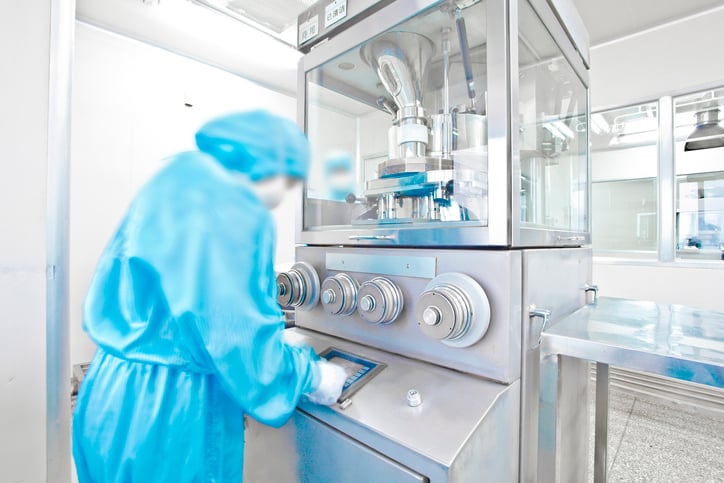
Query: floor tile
x=664 y=444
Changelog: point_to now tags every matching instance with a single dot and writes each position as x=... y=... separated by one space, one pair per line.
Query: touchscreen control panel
x=359 y=369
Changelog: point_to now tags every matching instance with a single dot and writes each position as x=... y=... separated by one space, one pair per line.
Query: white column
x=35 y=54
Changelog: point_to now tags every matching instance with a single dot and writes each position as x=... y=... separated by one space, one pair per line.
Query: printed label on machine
x=309 y=29
x=359 y=370
x=334 y=12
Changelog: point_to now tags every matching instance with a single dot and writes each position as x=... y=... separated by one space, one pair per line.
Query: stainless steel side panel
x=464 y=431
x=496 y=356
x=308 y=450
x=553 y=280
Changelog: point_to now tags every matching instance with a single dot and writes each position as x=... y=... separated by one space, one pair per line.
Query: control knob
x=339 y=294
x=380 y=301
x=453 y=309
x=299 y=287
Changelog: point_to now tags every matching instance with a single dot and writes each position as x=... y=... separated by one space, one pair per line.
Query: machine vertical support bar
x=548 y=418
x=499 y=118
x=667 y=181
x=601 y=442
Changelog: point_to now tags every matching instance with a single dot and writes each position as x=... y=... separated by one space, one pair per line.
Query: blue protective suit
x=183 y=309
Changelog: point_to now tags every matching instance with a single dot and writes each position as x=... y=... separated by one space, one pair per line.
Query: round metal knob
x=453 y=309
x=339 y=294
x=444 y=312
x=299 y=287
x=367 y=304
x=431 y=316
x=328 y=297
x=383 y=301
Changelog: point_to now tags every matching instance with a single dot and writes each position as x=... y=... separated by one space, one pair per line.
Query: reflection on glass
x=398 y=126
x=554 y=132
x=700 y=178
x=625 y=217
x=624 y=162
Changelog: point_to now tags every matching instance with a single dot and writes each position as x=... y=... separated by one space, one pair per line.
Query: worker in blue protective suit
x=183 y=309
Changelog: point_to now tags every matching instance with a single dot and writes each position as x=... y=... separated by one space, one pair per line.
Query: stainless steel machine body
x=459 y=432
x=430 y=275
x=488 y=391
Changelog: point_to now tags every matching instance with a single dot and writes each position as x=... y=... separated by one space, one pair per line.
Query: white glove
x=331 y=380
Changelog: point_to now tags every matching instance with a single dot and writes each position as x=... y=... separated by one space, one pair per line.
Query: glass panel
x=624 y=164
x=699 y=157
x=625 y=216
x=398 y=127
x=554 y=132
x=700 y=216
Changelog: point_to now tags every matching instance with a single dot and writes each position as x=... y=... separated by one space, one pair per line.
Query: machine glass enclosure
x=398 y=126
x=553 y=112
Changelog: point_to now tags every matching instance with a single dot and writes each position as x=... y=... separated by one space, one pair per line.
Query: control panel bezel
x=372 y=368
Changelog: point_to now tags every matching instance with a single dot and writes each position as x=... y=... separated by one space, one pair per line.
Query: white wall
x=676 y=57
x=696 y=287
x=128 y=114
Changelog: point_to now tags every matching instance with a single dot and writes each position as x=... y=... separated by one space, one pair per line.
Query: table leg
x=601 y=435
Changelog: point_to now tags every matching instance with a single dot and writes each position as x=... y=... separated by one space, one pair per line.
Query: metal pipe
x=447 y=119
x=465 y=53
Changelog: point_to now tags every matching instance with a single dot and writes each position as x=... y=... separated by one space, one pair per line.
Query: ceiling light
x=600 y=122
x=648 y=137
x=553 y=130
x=563 y=128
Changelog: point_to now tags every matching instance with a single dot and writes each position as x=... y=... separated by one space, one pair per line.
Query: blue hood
x=257 y=143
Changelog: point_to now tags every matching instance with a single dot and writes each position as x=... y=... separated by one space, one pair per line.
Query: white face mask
x=271 y=191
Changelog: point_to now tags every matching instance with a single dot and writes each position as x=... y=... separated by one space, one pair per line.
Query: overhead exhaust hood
x=708 y=132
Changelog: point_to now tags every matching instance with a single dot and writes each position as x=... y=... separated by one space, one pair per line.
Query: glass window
x=398 y=127
x=624 y=165
x=699 y=158
x=554 y=132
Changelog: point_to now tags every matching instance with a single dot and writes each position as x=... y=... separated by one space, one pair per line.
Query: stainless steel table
x=670 y=340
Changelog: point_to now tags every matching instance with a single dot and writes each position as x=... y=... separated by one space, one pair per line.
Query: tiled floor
x=650 y=440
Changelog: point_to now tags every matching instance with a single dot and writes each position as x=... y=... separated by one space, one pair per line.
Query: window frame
x=666 y=253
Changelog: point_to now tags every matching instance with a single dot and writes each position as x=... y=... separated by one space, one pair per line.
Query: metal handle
x=571 y=238
x=592 y=288
x=372 y=237
x=537 y=312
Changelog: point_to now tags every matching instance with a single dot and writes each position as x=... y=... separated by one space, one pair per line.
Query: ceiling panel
x=611 y=19
x=277 y=15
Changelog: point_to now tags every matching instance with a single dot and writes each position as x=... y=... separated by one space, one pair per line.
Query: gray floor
x=650 y=440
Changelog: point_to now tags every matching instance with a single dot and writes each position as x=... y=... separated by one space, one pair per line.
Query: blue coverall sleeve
x=215 y=266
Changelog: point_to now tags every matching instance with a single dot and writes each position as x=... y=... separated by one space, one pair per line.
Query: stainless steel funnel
x=400 y=60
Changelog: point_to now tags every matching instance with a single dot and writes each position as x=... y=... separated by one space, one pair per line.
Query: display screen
x=359 y=370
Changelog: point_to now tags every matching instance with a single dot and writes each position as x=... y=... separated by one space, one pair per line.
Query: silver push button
x=414 y=398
